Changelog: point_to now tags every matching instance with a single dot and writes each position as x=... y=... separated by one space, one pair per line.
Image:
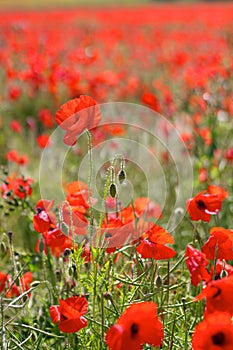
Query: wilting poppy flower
x=152 y=244
x=69 y=314
x=218 y=295
x=215 y=332
x=77 y=115
x=203 y=205
x=137 y=325
x=219 y=244
x=196 y=263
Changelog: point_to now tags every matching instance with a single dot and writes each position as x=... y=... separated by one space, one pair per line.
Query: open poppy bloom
x=215 y=332
x=219 y=244
x=77 y=115
x=203 y=205
x=152 y=244
x=138 y=325
x=44 y=218
x=218 y=296
x=196 y=262
x=69 y=314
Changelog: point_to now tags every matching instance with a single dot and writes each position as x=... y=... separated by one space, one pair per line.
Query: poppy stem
x=3 y=332
x=89 y=146
x=102 y=317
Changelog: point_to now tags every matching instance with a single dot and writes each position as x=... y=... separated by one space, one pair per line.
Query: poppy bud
x=67 y=252
x=223 y=274
x=35 y=284
x=2 y=247
x=10 y=236
x=107 y=296
x=112 y=190
x=121 y=176
x=41 y=246
x=158 y=281
x=70 y=272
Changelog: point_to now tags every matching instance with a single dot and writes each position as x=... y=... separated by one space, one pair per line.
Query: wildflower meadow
x=116 y=192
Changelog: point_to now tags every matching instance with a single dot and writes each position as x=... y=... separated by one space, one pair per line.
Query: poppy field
x=116 y=192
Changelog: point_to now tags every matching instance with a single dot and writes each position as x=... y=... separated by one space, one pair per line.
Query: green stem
x=89 y=146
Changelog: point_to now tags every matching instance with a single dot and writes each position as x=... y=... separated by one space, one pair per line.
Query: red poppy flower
x=45 y=116
x=24 y=281
x=149 y=99
x=229 y=154
x=12 y=156
x=219 y=244
x=221 y=266
x=19 y=187
x=3 y=280
x=77 y=115
x=70 y=314
x=196 y=263
x=152 y=244
x=114 y=234
x=203 y=205
x=137 y=325
x=43 y=219
x=16 y=126
x=213 y=189
x=215 y=332
x=43 y=141
x=144 y=206
x=218 y=295
x=14 y=93
x=57 y=241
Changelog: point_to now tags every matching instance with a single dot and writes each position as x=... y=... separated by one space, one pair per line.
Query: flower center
x=134 y=330
x=218 y=338
x=201 y=205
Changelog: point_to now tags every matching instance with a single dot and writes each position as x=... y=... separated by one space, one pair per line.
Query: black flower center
x=218 y=338
x=39 y=210
x=201 y=205
x=134 y=330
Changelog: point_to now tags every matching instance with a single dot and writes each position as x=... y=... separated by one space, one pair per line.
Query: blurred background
x=59 y=3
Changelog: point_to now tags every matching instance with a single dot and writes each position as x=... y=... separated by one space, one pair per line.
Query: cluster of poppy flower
x=10 y=288
x=216 y=330
x=72 y=70
x=128 y=332
x=69 y=70
x=18 y=188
